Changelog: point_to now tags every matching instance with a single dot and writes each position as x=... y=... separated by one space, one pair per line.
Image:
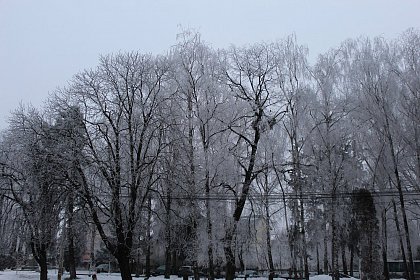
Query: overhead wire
x=272 y=197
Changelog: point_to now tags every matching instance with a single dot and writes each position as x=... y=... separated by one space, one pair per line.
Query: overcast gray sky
x=44 y=43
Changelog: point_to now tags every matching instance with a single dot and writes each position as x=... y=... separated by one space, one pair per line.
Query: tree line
x=219 y=157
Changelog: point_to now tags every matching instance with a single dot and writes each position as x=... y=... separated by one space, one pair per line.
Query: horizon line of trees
x=218 y=158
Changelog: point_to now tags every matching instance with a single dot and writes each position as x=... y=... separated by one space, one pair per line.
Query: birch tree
x=377 y=88
x=406 y=67
x=292 y=79
x=333 y=144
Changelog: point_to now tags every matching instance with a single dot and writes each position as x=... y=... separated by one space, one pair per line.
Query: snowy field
x=52 y=275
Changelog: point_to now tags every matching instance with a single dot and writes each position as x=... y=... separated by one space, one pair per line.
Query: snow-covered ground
x=327 y=277
x=52 y=275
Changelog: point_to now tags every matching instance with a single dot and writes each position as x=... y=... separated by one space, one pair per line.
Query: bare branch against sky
x=44 y=43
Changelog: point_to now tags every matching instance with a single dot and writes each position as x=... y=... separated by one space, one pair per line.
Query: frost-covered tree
x=34 y=178
x=185 y=147
x=69 y=136
x=292 y=79
x=11 y=221
x=407 y=68
x=250 y=75
x=266 y=208
x=121 y=103
x=375 y=84
x=332 y=142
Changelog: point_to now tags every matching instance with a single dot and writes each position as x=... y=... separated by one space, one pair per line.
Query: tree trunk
x=174 y=262
x=149 y=239
x=168 y=236
x=294 y=253
x=43 y=270
x=303 y=236
x=334 y=237
x=211 y=263
x=301 y=269
x=191 y=182
x=384 y=245
x=294 y=236
x=241 y=200
x=195 y=256
x=351 y=259
x=92 y=247
x=229 y=254
x=167 y=263
x=70 y=237
x=40 y=255
x=318 y=267
x=124 y=264
x=230 y=264
x=241 y=259
x=401 y=197
x=407 y=235
x=268 y=239
x=209 y=228
x=61 y=247
x=289 y=238
x=60 y=266
x=343 y=257
x=326 y=250
x=400 y=239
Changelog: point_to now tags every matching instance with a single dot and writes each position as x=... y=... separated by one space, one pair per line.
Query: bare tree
x=250 y=75
x=120 y=102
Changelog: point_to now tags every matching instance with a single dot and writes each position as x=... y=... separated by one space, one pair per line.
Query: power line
x=308 y=196
x=290 y=196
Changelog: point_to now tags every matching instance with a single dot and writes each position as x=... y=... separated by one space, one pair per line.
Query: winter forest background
x=224 y=160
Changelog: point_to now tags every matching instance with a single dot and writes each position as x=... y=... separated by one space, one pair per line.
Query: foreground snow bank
x=52 y=275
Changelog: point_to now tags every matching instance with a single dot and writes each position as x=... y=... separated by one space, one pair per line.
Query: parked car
x=160 y=270
x=106 y=268
x=342 y=275
x=248 y=273
x=185 y=270
x=102 y=268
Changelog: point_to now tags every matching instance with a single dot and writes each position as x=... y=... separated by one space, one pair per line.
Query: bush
x=7 y=262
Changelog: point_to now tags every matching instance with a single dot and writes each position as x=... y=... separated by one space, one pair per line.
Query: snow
x=52 y=275
x=327 y=277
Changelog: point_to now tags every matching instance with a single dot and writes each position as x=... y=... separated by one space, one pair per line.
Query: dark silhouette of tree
x=365 y=220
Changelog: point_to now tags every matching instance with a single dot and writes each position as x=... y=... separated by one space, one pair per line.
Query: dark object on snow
x=185 y=272
x=94 y=277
